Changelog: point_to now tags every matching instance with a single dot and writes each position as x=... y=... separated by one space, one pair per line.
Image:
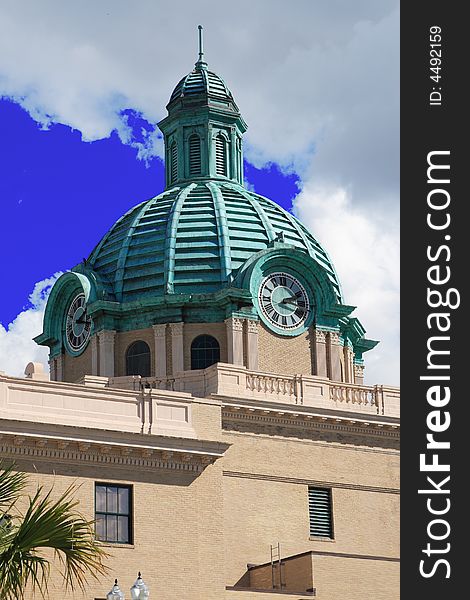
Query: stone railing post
x=379 y=399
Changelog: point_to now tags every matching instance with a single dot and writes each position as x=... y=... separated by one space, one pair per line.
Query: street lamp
x=139 y=591
x=115 y=593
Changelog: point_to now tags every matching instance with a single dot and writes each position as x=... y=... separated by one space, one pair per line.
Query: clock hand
x=304 y=309
x=291 y=300
x=83 y=318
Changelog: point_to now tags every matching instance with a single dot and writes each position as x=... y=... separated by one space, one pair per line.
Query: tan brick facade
x=290 y=355
x=75 y=366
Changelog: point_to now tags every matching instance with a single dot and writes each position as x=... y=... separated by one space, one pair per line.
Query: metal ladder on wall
x=278 y=581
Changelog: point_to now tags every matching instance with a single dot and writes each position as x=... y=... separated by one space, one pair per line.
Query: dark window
x=319 y=507
x=138 y=359
x=220 y=155
x=205 y=351
x=194 y=155
x=113 y=513
x=174 y=162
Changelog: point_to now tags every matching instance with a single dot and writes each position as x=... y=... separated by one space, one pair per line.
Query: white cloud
x=316 y=69
x=366 y=255
x=17 y=347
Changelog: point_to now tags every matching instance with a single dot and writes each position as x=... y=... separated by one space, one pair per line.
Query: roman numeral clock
x=77 y=324
x=284 y=302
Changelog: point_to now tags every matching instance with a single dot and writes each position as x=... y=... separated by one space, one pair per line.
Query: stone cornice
x=322 y=420
x=110 y=448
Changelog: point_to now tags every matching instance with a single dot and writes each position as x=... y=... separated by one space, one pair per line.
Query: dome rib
x=259 y=210
x=104 y=239
x=171 y=236
x=123 y=252
x=222 y=232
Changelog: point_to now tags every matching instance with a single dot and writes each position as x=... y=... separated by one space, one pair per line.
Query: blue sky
x=82 y=86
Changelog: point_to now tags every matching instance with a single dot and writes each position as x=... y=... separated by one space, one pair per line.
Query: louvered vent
x=319 y=506
x=220 y=156
x=194 y=155
x=174 y=162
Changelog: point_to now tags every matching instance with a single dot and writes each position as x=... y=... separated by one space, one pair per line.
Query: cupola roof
x=202 y=84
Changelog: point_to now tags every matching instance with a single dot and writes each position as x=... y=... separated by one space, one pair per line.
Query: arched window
x=138 y=359
x=173 y=162
x=220 y=155
x=194 y=155
x=205 y=351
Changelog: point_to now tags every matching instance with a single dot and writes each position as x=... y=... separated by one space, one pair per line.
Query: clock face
x=77 y=324
x=284 y=301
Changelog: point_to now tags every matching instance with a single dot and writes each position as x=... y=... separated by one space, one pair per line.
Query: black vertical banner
x=435 y=254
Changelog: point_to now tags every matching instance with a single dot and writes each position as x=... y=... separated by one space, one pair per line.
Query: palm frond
x=12 y=484
x=49 y=524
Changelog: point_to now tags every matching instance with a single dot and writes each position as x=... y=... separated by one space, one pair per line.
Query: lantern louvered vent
x=319 y=505
x=194 y=155
x=174 y=162
x=220 y=156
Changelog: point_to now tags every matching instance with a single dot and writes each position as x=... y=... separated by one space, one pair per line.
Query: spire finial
x=201 y=64
x=201 y=49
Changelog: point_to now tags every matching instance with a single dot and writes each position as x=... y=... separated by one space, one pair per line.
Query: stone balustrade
x=354 y=394
x=164 y=405
x=307 y=390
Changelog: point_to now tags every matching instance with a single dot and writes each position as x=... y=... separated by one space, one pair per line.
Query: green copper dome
x=198 y=252
x=194 y=239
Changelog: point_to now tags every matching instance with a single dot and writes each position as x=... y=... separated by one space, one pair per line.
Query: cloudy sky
x=82 y=85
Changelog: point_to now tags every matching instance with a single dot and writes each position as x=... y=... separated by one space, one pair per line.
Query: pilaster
x=106 y=341
x=94 y=355
x=159 y=332
x=359 y=374
x=321 y=353
x=348 y=364
x=335 y=350
x=59 y=367
x=52 y=369
x=252 y=344
x=234 y=340
x=177 y=354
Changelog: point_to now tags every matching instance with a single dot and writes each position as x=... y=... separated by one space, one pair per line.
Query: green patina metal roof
x=193 y=239
x=202 y=81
